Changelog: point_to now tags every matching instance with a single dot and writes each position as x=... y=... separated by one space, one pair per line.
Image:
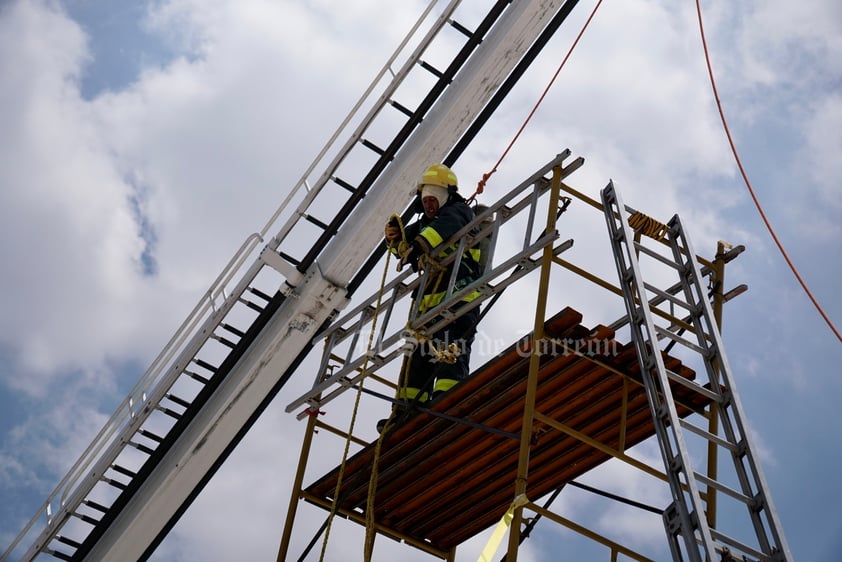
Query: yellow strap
x=501 y=529
x=648 y=226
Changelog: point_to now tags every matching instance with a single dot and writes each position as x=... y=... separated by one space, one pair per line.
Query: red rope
x=748 y=183
x=487 y=175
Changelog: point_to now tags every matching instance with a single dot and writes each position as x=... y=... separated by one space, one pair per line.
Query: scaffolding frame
x=350 y=372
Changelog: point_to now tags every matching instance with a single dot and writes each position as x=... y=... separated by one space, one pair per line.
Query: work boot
x=381 y=424
x=398 y=414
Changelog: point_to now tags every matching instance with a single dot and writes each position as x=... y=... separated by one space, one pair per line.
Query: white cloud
x=823 y=146
x=68 y=230
x=176 y=169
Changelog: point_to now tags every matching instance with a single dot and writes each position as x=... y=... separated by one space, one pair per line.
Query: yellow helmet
x=440 y=175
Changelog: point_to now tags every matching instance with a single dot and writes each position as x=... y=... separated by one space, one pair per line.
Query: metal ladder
x=686 y=521
x=228 y=315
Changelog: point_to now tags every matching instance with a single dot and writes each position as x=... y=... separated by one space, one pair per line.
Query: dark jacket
x=427 y=234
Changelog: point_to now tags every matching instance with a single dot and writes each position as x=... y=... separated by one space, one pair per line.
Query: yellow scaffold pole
x=534 y=364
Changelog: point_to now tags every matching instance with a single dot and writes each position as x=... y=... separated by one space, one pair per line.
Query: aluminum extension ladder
x=685 y=519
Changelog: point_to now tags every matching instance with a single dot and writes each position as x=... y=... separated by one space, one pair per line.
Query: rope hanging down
x=443 y=355
x=486 y=176
x=369 y=539
x=748 y=183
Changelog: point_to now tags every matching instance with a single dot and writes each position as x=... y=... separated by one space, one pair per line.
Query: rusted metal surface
x=442 y=482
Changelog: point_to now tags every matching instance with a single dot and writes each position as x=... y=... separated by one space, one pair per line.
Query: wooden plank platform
x=442 y=482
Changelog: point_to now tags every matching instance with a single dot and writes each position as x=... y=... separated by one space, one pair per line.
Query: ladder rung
x=709 y=436
x=342 y=183
x=67 y=541
x=180 y=401
x=402 y=108
x=695 y=387
x=667 y=296
x=150 y=435
x=196 y=376
x=144 y=448
x=710 y=483
x=368 y=144
x=461 y=28
x=678 y=339
x=95 y=505
x=204 y=364
x=289 y=258
x=58 y=554
x=224 y=341
x=86 y=518
x=123 y=470
x=115 y=483
x=260 y=294
x=742 y=547
x=313 y=220
x=434 y=71
x=169 y=412
x=250 y=304
x=655 y=255
x=232 y=329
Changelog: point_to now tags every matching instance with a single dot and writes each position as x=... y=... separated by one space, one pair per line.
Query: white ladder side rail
x=195 y=318
x=139 y=398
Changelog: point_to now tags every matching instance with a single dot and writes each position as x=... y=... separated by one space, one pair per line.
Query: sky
x=143 y=142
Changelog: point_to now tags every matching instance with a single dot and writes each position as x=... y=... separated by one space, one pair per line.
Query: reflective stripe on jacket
x=428 y=234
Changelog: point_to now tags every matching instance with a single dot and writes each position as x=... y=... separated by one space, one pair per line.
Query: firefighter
x=442 y=359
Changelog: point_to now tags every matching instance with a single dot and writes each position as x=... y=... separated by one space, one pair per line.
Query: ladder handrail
x=135 y=405
x=356 y=135
x=140 y=403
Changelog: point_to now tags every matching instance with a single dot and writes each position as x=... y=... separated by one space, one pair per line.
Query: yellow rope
x=333 y=507
x=403 y=245
x=375 y=472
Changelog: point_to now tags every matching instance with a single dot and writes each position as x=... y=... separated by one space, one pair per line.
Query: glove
x=392 y=231
x=409 y=255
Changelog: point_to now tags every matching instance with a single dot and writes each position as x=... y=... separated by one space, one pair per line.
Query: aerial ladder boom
x=140 y=473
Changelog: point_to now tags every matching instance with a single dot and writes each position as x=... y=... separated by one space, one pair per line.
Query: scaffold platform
x=446 y=474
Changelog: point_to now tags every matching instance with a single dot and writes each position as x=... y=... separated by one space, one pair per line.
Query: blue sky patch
x=120 y=43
